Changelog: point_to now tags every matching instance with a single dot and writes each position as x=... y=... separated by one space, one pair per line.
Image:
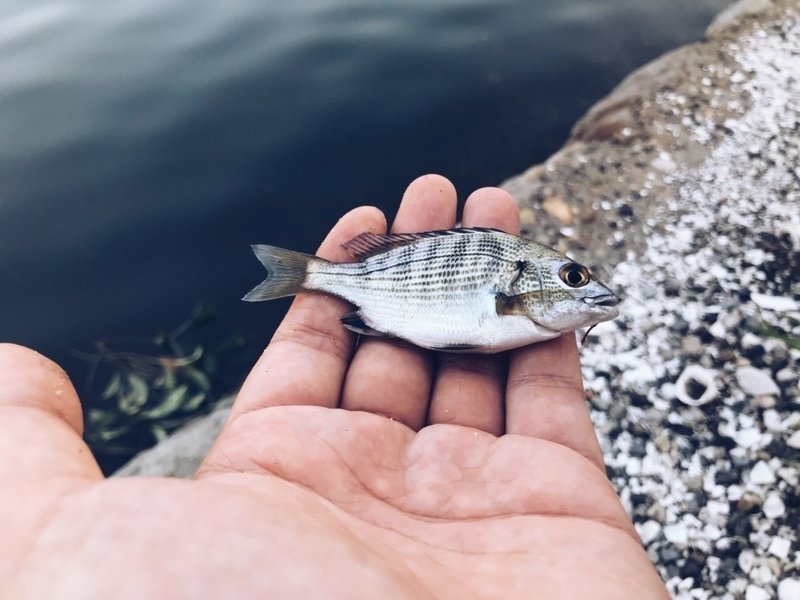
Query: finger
x=545 y=397
x=389 y=377
x=40 y=421
x=307 y=358
x=469 y=389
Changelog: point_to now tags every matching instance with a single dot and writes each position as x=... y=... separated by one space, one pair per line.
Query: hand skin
x=381 y=472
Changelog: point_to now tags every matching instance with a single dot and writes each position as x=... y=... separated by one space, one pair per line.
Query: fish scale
x=478 y=290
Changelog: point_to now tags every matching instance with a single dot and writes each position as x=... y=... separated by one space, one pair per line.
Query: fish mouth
x=605 y=300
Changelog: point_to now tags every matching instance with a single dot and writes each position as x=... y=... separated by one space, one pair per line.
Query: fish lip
x=606 y=300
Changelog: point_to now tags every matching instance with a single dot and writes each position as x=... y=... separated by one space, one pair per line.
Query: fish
x=475 y=290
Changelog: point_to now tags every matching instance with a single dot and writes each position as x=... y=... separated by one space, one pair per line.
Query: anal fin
x=354 y=322
x=455 y=348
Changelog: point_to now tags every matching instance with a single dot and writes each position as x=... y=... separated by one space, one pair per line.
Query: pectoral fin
x=515 y=305
x=354 y=322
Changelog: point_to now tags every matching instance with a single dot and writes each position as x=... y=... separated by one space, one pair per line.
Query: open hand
x=382 y=471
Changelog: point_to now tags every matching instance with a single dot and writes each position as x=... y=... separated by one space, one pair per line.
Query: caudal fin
x=286 y=273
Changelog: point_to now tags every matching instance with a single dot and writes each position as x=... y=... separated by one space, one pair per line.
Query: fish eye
x=574 y=275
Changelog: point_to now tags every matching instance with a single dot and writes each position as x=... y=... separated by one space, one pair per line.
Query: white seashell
x=699 y=375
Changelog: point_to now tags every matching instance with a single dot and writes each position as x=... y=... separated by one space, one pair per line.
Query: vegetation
x=141 y=396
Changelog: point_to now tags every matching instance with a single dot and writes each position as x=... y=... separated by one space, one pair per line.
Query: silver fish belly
x=459 y=290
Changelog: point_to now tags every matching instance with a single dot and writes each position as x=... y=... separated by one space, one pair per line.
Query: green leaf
x=99 y=418
x=172 y=401
x=113 y=387
x=167 y=380
x=109 y=434
x=181 y=360
x=193 y=403
x=197 y=377
x=135 y=397
x=159 y=433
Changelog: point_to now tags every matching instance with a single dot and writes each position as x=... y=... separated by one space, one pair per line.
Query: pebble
x=790 y=475
x=776 y=303
x=637 y=448
x=772 y=418
x=762 y=474
x=726 y=477
x=749 y=501
x=792 y=421
x=780 y=547
x=761 y=573
x=789 y=589
x=663 y=444
x=748 y=438
x=749 y=340
x=668 y=553
x=773 y=506
x=778 y=357
x=718 y=330
x=527 y=217
x=648 y=531
x=756 y=382
x=766 y=401
x=746 y=559
x=556 y=207
x=737 y=586
x=677 y=534
x=794 y=440
x=692 y=345
x=657 y=512
x=755 y=592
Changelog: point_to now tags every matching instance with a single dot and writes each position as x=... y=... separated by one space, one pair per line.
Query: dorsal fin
x=369 y=244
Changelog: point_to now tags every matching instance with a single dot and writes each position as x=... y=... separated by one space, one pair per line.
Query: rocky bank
x=687 y=180
x=684 y=185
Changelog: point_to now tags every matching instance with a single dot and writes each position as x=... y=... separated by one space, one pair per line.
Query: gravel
x=697 y=160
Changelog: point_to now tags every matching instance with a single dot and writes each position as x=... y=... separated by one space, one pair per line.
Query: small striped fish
x=458 y=290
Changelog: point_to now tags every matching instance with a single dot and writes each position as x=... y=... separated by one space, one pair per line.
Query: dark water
x=145 y=144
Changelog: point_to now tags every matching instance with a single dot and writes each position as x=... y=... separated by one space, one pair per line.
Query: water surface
x=144 y=145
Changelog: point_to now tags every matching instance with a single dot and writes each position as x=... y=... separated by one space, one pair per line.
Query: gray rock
x=181 y=454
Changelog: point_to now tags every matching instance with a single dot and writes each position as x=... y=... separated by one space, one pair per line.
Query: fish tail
x=286 y=273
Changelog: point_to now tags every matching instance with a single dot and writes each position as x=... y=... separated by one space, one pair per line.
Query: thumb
x=40 y=421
